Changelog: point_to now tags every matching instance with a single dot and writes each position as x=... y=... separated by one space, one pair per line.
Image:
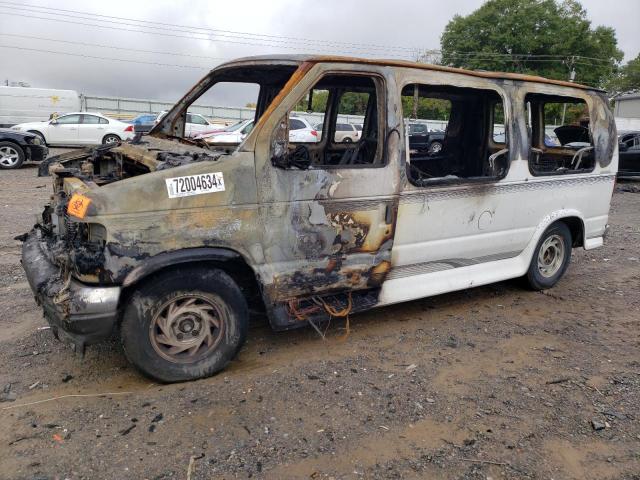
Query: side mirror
x=623 y=147
x=53 y=122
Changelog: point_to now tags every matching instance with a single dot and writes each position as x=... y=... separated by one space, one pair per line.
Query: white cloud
x=397 y=25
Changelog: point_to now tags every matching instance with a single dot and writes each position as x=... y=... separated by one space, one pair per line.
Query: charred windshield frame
x=269 y=77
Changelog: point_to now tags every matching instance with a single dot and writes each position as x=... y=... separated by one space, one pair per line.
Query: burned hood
x=148 y=154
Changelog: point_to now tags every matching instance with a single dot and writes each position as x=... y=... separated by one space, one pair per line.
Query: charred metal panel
x=326 y=229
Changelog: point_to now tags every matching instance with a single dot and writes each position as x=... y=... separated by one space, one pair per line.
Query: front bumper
x=83 y=314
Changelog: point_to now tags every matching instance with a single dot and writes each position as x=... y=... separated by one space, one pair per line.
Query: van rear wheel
x=185 y=324
x=551 y=257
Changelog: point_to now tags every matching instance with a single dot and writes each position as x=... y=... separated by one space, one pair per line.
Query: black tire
x=347 y=140
x=544 y=272
x=11 y=156
x=150 y=306
x=111 y=138
x=35 y=132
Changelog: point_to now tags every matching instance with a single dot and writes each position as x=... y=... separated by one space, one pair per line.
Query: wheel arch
x=227 y=260
x=14 y=142
x=38 y=132
x=576 y=227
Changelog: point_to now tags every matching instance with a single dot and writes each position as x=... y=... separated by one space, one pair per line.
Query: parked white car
x=345 y=132
x=300 y=131
x=232 y=134
x=79 y=128
x=196 y=124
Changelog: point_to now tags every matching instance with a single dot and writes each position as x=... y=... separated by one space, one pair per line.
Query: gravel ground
x=495 y=382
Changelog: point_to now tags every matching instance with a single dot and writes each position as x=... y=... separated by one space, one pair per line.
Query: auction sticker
x=195 y=184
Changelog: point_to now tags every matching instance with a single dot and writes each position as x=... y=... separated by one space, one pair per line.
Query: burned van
x=169 y=241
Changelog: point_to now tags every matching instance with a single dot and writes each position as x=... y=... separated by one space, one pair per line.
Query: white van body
x=318 y=229
x=26 y=104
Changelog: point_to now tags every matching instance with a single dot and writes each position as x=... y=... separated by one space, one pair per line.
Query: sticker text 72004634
x=195 y=184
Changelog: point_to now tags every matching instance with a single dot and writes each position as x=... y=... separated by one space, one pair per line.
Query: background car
x=629 y=154
x=196 y=124
x=79 y=128
x=345 y=132
x=232 y=134
x=143 y=123
x=421 y=139
x=300 y=131
x=16 y=147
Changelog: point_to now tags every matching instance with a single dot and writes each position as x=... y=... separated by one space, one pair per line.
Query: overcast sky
x=365 y=28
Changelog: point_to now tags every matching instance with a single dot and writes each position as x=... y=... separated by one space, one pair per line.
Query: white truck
x=26 y=104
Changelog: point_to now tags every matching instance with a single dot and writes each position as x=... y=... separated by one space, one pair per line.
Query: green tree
x=627 y=78
x=541 y=37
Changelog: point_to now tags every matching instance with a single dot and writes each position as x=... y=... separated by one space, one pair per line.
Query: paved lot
x=495 y=382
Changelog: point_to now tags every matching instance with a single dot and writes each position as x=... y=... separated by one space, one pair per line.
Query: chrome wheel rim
x=110 y=139
x=9 y=156
x=436 y=147
x=551 y=256
x=187 y=329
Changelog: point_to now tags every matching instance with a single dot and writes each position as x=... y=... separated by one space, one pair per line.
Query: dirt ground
x=496 y=382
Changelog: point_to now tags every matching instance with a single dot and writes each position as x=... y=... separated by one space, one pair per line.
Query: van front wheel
x=550 y=258
x=185 y=324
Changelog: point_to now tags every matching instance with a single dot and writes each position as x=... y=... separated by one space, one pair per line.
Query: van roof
x=405 y=64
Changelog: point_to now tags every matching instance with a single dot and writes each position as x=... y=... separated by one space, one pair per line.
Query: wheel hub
x=8 y=156
x=551 y=256
x=187 y=329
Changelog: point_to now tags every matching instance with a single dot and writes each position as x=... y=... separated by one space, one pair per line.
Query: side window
x=334 y=143
x=247 y=129
x=198 y=120
x=561 y=141
x=351 y=103
x=499 y=129
x=103 y=121
x=314 y=102
x=69 y=120
x=631 y=141
x=454 y=134
x=295 y=124
x=90 y=119
x=189 y=118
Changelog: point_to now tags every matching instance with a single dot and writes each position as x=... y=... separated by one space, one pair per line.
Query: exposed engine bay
x=109 y=163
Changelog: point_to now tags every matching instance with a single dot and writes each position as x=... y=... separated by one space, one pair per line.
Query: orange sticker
x=78 y=205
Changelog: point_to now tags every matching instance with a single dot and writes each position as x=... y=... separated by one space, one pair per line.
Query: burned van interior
x=334 y=97
x=471 y=148
x=561 y=141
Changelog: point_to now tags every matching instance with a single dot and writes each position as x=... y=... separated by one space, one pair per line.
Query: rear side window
x=417 y=128
x=104 y=121
x=90 y=119
x=561 y=140
x=295 y=124
x=197 y=119
x=452 y=134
